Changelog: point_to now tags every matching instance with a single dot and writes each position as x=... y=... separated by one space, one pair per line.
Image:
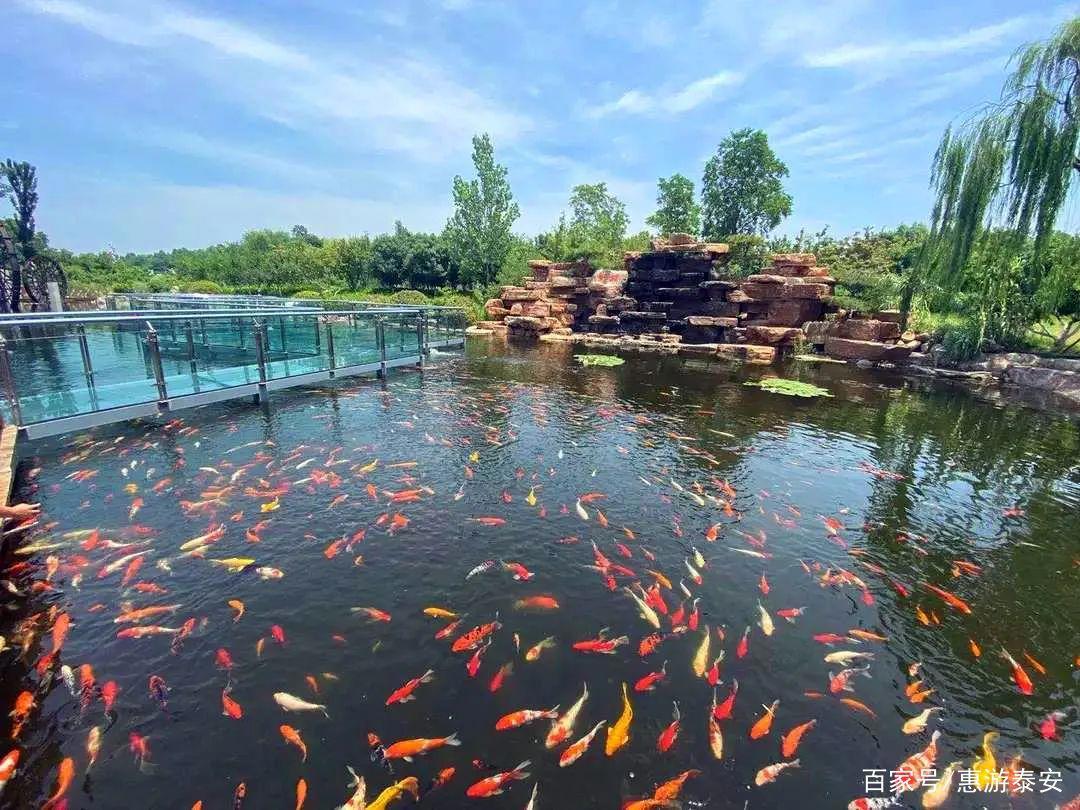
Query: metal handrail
x=76 y=318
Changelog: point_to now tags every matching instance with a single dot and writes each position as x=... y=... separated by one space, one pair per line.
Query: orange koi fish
x=648 y=645
x=671 y=788
x=407 y=749
x=789 y=742
x=494 y=785
x=524 y=717
x=487 y=521
x=770 y=772
x=1020 y=678
x=671 y=733
x=723 y=710
x=575 y=751
x=764 y=723
x=499 y=677
x=858 y=706
x=230 y=708
x=950 y=599
x=292 y=737
x=405 y=693
x=238 y=606
x=473 y=639
x=374 y=614
x=603 y=645
x=64 y=777
x=650 y=681
x=911 y=771
x=537 y=603
x=301 y=793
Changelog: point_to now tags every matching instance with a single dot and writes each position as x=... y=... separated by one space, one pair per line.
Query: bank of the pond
x=294 y=549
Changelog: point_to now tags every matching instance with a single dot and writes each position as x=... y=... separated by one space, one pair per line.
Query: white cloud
x=902 y=50
x=688 y=98
x=391 y=104
x=946 y=85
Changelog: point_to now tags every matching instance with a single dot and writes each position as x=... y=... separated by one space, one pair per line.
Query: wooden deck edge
x=7 y=461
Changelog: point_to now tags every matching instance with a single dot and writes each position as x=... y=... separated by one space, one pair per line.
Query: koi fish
x=841 y=682
x=372 y=613
x=764 y=723
x=238 y=606
x=494 y=785
x=563 y=726
x=909 y=775
x=234 y=564
x=918 y=723
x=701 y=657
x=764 y=620
x=537 y=603
x=483 y=567
x=291 y=703
x=211 y=536
x=534 y=651
x=358 y=801
x=790 y=614
x=524 y=717
x=488 y=521
x=789 y=743
x=230 y=708
x=950 y=599
x=575 y=751
x=770 y=772
x=646 y=613
x=266 y=572
x=499 y=677
x=618 y=734
x=648 y=645
x=407 y=749
x=64 y=776
x=858 y=706
x=405 y=693
x=744 y=644
x=846 y=657
x=448 y=630
x=650 y=681
x=1020 y=677
x=602 y=645
x=473 y=639
x=439 y=613
x=292 y=737
x=474 y=663
x=410 y=784
x=671 y=733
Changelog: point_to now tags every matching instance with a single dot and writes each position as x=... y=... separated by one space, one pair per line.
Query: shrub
x=308 y=294
x=962 y=341
x=204 y=286
x=409 y=297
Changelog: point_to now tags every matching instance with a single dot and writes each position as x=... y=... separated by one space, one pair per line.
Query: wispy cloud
x=681 y=100
x=395 y=104
x=902 y=50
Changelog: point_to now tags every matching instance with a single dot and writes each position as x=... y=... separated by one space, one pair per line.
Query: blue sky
x=159 y=124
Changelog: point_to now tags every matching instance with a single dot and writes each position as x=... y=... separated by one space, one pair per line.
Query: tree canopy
x=742 y=190
x=676 y=209
x=999 y=182
x=484 y=212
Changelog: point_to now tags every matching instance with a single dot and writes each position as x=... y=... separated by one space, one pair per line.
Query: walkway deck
x=67 y=372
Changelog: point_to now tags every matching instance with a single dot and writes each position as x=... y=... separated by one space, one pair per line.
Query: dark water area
x=916 y=477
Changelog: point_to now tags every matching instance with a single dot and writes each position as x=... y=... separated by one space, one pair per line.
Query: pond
x=907 y=533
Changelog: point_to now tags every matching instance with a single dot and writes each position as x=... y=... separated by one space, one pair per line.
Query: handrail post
x=420 y=349
x=189 y=332
x=8 y=380
x=88 y=368
x=329 y=340
x=260 y=351
x=380 y=338
x=155 y=363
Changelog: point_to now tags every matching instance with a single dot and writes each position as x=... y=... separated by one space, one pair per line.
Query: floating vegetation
x=789 y=388
x=599 y=360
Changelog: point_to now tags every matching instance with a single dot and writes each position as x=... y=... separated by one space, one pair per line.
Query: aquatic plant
x=789 y=388
x=599 y=360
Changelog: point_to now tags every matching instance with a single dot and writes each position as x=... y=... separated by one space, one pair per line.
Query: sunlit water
x=918 y=478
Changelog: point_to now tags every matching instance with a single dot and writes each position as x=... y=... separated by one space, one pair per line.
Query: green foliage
x=308 y=294
x=789 y=388
x=962 y=341
x=747 y=256
x=354 y=258
x=411 y=297
x=204 y=286
x=999 y=182
x=599 y=360
x=595 y=229
x=676 y=209
x=742 y=190
x=484 y=211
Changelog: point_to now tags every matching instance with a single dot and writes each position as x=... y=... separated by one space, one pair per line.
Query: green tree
x=355 y=256
x=742 y=190
x=676 y=209
x=21 y=180
x=484 y=212
x=1001 y=178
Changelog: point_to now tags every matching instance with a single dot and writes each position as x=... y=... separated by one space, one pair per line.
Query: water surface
x=918 y=475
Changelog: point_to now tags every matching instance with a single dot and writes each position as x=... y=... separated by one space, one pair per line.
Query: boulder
x=766 y=278
x=766 y=292
x=526 y=323
x=495 y=310
x=813 y=291
x=859 y=329
x=478 y=331
x=519 y=294
x=562 y=281
x=705 y=320
x=773 y=335
x=793 y=312
x=848 y=349
x=890 y=315
x=676 y=293
x=538 y=309
x=746 y=353
x=1063 y=383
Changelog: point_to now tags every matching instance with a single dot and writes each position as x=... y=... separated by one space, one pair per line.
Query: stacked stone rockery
x=555 y=296
x=873 y=337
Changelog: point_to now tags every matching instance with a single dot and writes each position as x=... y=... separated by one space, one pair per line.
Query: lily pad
x=789 y=388
x=599 y=360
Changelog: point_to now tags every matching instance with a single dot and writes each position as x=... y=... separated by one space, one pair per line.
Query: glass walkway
x=70 y=371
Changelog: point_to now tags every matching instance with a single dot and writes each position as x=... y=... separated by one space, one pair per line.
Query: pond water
x=855 y=508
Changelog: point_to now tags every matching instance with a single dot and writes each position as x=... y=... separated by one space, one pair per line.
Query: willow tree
x=1007 y=170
